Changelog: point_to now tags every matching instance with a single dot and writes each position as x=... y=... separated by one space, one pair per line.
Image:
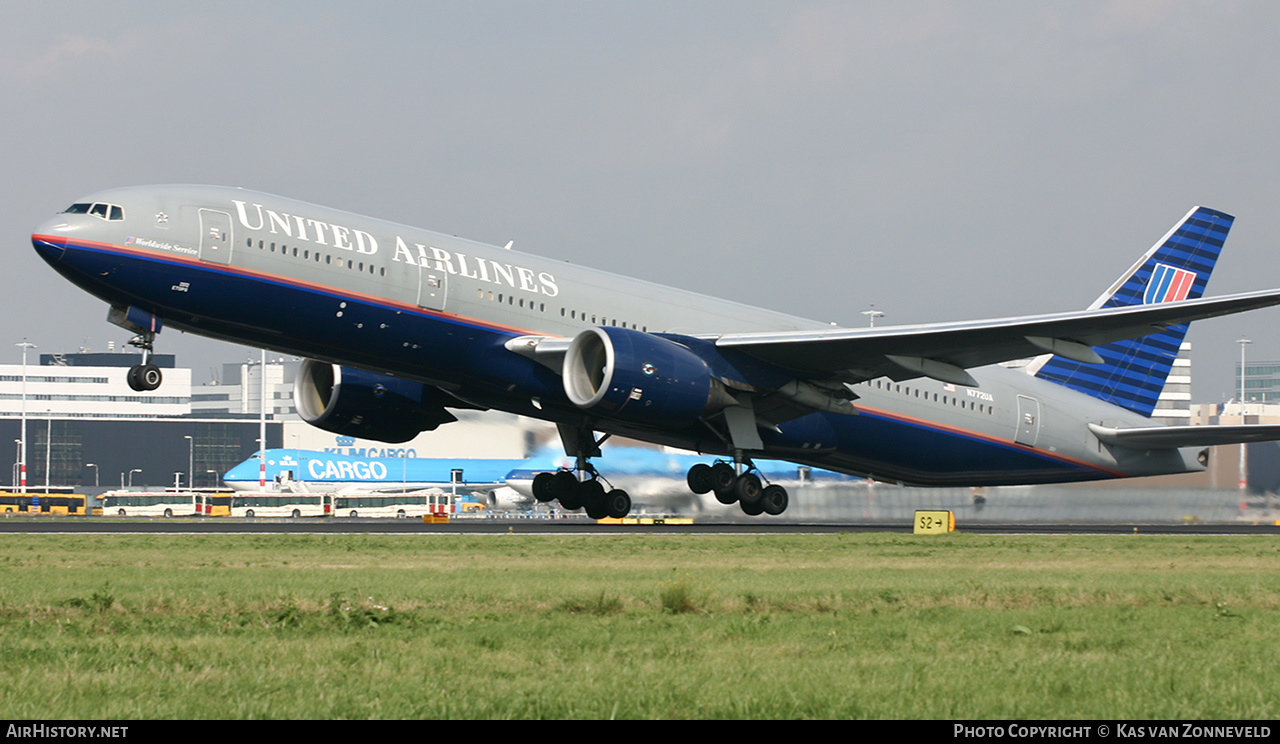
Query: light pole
x=262 y=422
x=95 y=472
x=191 y=461
x=1244 y=475
x=213 y=477
x=22 y=456
x=48 y=449
x=131 y=472
x=262 y=463
x=871 y=317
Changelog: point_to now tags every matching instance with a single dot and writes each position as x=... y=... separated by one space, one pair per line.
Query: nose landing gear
x=144 y=377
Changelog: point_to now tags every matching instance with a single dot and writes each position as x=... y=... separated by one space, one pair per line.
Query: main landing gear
x=144 y=377
x=587 y=492
x=582 y=488
x=745 y=488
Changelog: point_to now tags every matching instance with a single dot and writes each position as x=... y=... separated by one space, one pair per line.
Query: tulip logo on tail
x=1168 y=284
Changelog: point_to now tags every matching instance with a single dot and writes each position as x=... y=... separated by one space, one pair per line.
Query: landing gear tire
x=144 y=377
x=542 y=487
x=593 y=499
x=774 y=499
x=747 y=488
x=563 y=485
x=726 y=497
x=572 y=501
x=722 y=477
x=700 y=479
x=617 y=503
x=753 y=509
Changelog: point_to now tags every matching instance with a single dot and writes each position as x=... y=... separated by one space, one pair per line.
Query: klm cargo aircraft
x=330 y=472
x=402 y=325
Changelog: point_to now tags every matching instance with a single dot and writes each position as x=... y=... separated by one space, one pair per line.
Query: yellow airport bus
x=213 y=503
x=42 y=503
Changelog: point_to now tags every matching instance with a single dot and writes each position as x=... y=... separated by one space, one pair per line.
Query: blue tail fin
x=1176 y=268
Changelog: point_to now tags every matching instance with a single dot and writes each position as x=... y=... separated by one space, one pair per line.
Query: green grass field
x=513 y=626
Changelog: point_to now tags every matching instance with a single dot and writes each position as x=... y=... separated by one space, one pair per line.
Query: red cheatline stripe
x=971 y=434
x=277 y=279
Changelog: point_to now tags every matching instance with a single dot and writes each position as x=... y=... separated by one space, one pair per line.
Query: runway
x=1043 y=510
x=227 y=526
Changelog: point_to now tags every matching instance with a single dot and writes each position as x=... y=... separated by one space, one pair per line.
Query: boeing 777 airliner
x=401 y=325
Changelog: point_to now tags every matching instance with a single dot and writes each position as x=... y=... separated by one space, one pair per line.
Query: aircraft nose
x=49 y=238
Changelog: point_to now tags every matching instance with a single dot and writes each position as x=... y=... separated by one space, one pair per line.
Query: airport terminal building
x=87 y=428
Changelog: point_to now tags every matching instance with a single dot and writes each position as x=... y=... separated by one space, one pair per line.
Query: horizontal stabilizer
x=1172 y=437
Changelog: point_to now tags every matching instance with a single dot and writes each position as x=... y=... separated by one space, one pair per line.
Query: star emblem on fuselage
x=162 y=218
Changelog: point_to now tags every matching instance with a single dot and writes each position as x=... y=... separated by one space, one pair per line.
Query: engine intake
x=367 y=405
x=639 y=378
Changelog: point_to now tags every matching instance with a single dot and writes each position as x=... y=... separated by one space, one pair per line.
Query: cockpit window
x=98 y=209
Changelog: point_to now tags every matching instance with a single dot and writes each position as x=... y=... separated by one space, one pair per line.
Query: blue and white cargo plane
x=330 y=472
x=401 y=325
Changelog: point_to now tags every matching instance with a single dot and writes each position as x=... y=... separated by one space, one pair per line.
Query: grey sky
x=937 y=160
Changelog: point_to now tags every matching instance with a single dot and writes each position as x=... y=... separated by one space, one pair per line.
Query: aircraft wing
x=944 y=350
x=1165 y=437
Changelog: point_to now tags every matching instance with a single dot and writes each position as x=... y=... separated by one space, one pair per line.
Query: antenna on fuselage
x=507 y=247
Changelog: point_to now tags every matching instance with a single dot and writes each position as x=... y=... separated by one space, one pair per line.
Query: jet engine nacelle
x=639 y=378
x=362 y=404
